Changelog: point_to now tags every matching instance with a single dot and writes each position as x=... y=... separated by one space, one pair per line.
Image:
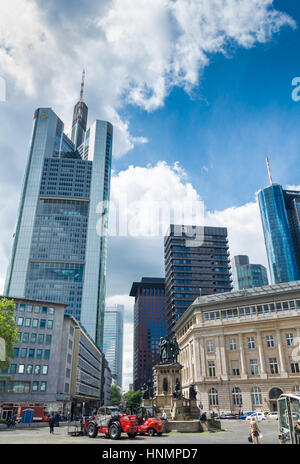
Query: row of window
x=29 y=322
x=237 y=397
x=235 y=370
x=251 y=310
x=290 y=341
x=29 y=369
x=27 y=337
x=23 y=387
x=31 y=353
x=35 y=309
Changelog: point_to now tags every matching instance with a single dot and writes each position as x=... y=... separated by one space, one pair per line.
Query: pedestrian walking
x=297 y=432
x=254 y=431
x=51 y=423
x=164 y=415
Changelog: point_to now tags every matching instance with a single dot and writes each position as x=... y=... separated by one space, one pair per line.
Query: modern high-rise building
x=292 y=204
x=197 y=263
x=277 y=225
x=149 y=326
x=246 y=275
x=113 y=341
x=59 y=249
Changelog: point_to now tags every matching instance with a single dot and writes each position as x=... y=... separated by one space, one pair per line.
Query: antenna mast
x=82 y=85
x=269 y=171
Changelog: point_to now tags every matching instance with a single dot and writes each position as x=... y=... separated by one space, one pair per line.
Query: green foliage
x=115 y=395
x=133 y=398
x=8 y=329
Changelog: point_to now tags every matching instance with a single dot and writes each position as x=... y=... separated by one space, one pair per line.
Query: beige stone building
x=242 y=349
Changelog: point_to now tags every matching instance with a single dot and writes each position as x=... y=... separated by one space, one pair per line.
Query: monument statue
x=174 y=348
x=192 y=392
x=177 y=390
x=168 y=350
x=145 y=390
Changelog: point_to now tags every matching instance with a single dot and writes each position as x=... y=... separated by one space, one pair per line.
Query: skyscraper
x=59 y=249
x=197 y=263
x=246 y=275
x=277 y=234
x=292 y=204
x=113 y=341
x=149 y=326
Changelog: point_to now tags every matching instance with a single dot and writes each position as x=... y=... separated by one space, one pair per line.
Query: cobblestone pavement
x=234 y=432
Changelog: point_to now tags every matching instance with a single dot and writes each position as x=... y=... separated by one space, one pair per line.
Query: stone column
x=190 y=362
x=282 y=363
x=263 y=373
x=202 y=357
x=242 y=358
x=223 y=357
x=197 y=360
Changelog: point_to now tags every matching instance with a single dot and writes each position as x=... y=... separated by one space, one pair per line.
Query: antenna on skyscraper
x=82 y=85
x=269 y=171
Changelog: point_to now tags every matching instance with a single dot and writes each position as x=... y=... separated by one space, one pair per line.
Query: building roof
x=149 y=282
x=235 y=296
x=31 y=300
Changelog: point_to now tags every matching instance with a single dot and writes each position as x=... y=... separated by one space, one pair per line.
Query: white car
x=258 y=416
x=273 y=415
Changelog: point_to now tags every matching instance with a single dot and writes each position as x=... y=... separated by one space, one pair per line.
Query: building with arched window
x=241 y=350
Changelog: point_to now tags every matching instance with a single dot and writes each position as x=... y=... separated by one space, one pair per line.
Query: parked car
x=272 y=415
x=246 y=414
x=258 y=416
x=228 y=416
x=151 y=426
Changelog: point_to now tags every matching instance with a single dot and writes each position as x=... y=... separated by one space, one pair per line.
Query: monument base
x=191 y=426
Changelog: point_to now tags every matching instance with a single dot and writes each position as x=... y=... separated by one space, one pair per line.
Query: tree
x=133 y=398
x=115 y=395
x=8 y=329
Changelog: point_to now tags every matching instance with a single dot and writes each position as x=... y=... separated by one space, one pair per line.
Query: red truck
x=111 y=422
x=39 y=413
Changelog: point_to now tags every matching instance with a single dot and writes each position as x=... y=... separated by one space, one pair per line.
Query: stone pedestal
x=165 y=380
x=146 y=403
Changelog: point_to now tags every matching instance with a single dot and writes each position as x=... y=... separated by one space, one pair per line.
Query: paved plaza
x=233 y=432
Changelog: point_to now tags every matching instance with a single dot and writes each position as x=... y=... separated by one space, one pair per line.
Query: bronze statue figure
x=177 y=390
x=192 y=392
x=145 y=390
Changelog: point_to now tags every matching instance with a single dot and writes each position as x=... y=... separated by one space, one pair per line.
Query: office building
x=277 y=233
x=56 y=364
x=59 y=249
x=292 y=205
x=240 y=349
x=149 y=326
x=113 y=341
x=246 y=275
x=196 y=263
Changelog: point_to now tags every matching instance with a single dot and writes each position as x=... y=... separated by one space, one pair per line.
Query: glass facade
x=277 y=234
x=248 y=275
x=113 y=341
x=59 y=250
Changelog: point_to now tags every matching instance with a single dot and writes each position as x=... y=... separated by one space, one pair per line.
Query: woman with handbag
x=254 y=431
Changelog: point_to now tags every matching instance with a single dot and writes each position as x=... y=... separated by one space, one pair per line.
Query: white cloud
x=134 y=51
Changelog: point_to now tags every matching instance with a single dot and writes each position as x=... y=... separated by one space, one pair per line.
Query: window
x=45 y=370
x=256 y=396
x=71 y=330
x=40 y=338
x=21 y=307
x=16 y=352
x=46 y=354
x=211 y=369
x=237 y=396
x=213 y=397
x=35 y=386
x=43 y=386
x=251 y=343
x=48 y=339
x=51 y=311
x=20 y=321
x=29 y=369
x=31 y=353
x=66 y=387
x=68 y=372
x=36 y=309
x=70 y=344
x=294 y=367
x=235 y=368
x=49 y=324
x=25 y=337
x=273 y=365
x=270 y=341
x=39 y=353
x=232 y=344
x=18 y=387
x=2 y=386
x=13 y=368
x=33 y=338
x=289 y=339
x=253 y=367
x=43 y=323
x=21 y=369
x=37 y=369
x=296 y=389
x=23 y=352
x=35 y=323
x=69 y=358
x=44 y=310
x=210 y=346
x=29 y=308
x=27 y=321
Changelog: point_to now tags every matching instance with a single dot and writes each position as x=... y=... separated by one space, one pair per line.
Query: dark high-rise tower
x=59 y=249
x=197 y=263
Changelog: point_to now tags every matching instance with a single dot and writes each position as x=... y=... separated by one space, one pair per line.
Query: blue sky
x=240 y=112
